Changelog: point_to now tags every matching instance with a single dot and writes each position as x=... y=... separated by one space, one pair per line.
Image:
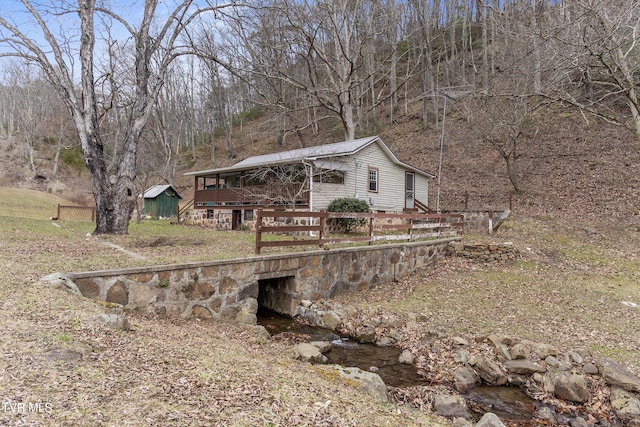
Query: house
x=309 y=179
x=161 y=201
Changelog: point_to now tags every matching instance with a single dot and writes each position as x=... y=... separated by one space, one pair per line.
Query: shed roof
x=155 y=190
x=338 y=149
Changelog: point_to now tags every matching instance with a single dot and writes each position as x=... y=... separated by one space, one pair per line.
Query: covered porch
x=243 y=189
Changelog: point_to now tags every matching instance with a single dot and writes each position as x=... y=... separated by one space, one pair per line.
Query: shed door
x=409 y=190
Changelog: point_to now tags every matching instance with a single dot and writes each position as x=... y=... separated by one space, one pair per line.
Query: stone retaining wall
x=493 y=252
x=230 y=290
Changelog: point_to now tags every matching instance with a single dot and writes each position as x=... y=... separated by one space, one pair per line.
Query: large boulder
x=368 y=382
x=618 y=375
x=523 y=366
x=447 y=405
x=570 y=386
x=625 y=405
x=464 y=379
x=309 y=353
x=489 y=371
x=490 y=420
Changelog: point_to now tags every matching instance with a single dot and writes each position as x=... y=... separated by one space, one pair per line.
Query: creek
x=511 y=404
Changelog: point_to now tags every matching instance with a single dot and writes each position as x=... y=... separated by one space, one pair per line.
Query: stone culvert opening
x=275 y=294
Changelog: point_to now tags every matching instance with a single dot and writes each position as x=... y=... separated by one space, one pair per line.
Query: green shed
x=161 y=201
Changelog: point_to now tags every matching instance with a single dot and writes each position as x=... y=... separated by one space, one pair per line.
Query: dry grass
x=163 y=371
x=567 y=289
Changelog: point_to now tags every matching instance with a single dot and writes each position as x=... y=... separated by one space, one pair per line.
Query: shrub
x=73 y=158
x=348 y=204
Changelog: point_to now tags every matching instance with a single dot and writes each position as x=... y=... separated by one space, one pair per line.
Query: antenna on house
x=453 y=93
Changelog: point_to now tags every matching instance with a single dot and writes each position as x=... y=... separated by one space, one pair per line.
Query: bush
x=73 y=158
x=348 y=204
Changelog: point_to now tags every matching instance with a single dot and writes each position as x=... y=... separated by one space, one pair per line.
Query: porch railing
x=252 y=195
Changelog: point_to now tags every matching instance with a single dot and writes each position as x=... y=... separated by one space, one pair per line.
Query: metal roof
x=338 y=149
x=155 y=190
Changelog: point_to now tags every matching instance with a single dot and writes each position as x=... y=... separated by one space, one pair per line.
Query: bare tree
x=597 y=59
x=156 y=45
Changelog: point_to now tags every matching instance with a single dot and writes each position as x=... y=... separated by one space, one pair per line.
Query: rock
x=547 y=414
x=368 y=382
x=590 y=369
x=367 y=335
x=323 y=346
x=57 y=280
x=618 y=375
x=108 y=320
x=497 y=339
x=518 y=380
x=625 y=405
x=537 y=378
x=575 y=357
x=490 y=420
x=579 y=422
x=460 y=422
x=570 y=386
x=520 y=351
x=247 y=312
x=543 y=350
x=384 y=342
x=501 y=344
x=309 y=353
x=406 y=357
x=460 y=341
x=465 y=379
x=306 y=303
x=552 y=361
x=523 y=366
x=330 y=320
x=462 y=356
x=490 y=372
x=446 y=405
x=391 y=321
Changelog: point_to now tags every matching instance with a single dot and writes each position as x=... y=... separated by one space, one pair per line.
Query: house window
x=248 y=215
x=373 y=180
x=210 y=214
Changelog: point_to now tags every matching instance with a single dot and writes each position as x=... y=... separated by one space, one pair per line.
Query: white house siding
x=422 y=189
x=391 y=181
x=324 y=193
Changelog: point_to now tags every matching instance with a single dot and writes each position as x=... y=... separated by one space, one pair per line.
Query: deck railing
x=248 y=195
x=311 y=228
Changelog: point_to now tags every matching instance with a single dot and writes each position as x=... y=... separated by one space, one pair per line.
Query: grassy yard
x=571 y=288
x=164 y=371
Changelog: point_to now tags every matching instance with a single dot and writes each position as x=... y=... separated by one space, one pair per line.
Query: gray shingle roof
x=310 y=153
x=327 y=150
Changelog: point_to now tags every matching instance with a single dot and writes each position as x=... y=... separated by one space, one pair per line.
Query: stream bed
x=346 y=352
x=509 y=403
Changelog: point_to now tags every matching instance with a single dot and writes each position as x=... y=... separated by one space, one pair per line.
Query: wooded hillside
x=536 y=99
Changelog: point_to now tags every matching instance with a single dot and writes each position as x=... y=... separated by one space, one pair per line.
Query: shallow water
x=348 y=353
x=509 y=403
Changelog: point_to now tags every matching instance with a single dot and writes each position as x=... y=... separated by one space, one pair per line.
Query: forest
x=134 y=91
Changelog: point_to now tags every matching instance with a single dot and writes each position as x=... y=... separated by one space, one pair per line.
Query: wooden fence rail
x=380 y=226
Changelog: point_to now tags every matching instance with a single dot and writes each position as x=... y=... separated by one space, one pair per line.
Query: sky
x=64 y=24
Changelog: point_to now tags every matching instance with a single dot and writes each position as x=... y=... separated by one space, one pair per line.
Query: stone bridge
x=232 y=290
